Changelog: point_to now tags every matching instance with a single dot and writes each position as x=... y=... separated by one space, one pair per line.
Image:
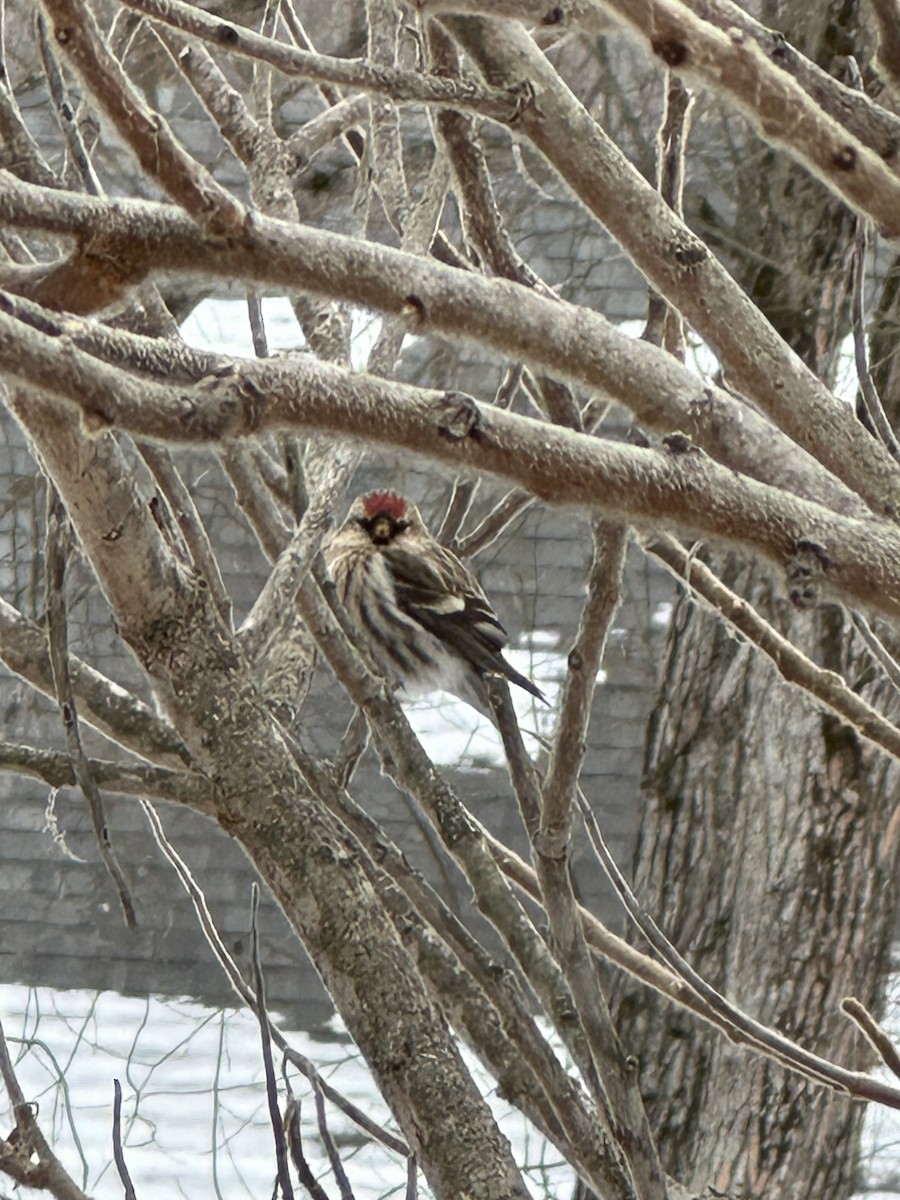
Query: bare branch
x=497 y=520
x=317 y=133
x=879 y=1039
x=825 y=686
x=731 y=63
x=328 y=1142
x=869 y=393
x=75 y=29
x=584 y=659
x=66 y=114
x=401 y=86
x=55 y=769
x=189 y=522
x=665 y=326
x=283 y=1175
x=245 y=993
x=680 y=488
x=591 y=1039
x=570 y=342
x=756 y=360
x=104 y=704
x=877 y=127
x=118 y=1152
x=730 y=1017
x=295 y=1146
x=57 y=549
x=27 y=1157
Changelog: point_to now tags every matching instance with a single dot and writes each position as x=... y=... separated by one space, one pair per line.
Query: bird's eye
x=399 y=526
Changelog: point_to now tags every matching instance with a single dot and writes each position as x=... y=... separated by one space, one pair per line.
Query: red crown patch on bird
x=388 y=503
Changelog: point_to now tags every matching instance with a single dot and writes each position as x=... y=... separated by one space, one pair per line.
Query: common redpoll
x=417 y=610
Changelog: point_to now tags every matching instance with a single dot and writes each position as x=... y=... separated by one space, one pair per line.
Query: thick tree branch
x=311 y=863
x=133 y=563
x=875 y=126
x=681 y=489
x=679 y=265
x=731 y=63
x=571 y=342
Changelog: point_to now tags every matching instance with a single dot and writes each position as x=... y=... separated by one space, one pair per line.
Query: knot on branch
x=845 y=158
x=671 y=50
x=458 y=416
x=524 y=98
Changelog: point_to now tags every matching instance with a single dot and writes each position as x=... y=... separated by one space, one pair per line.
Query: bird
x=415 y=608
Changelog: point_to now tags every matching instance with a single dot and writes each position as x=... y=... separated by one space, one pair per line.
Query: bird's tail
x=522 y=681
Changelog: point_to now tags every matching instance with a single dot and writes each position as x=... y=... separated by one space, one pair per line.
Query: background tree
x=408 y=181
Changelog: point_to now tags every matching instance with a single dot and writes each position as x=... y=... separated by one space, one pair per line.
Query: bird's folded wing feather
x=448 y=604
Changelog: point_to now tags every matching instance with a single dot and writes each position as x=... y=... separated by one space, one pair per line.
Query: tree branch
x=403 y=87
x=76 y=31
x=571 y=342
x=128 y=779
x=825 y=686
x=681 y=489
x=104 y=704
x=584 y=659
x=679 y=265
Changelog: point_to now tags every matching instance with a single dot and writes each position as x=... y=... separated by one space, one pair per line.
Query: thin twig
x=27 y=1158
x=295 y=1145
x=259 y=1007
x=588 y=1030
x=464 y=492
x=879 y=650
x=57 y=549
x=245 y=993
x=328 y=1142
x=665 y=326
x=401 y=86
x=878 y=1037
x=257 y=324
x=825 y=686
x=757 y=1037
x=118 y=1151
x=493 y=526
x=189 y=523
x=67 y=114
x=584 y=659
x=868 y=391
x=736 y=1023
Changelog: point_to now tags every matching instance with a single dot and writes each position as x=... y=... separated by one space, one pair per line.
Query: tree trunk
x=766 y=848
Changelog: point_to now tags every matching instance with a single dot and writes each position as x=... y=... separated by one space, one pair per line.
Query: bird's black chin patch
x=383 y=528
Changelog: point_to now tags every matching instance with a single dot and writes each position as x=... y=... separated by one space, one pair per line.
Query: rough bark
x=308 y=859
x=767 y=836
